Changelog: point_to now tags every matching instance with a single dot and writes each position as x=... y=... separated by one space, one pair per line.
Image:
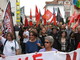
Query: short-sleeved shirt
x=9 y=48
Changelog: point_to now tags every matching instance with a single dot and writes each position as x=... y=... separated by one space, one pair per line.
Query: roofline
x=53 y=5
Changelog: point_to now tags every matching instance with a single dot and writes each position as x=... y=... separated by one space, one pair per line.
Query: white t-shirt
x=9 y=48
x=26 y=39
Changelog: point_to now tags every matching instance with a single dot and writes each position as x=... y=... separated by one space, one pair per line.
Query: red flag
x=51 y=21
x=47 y=15
x=77 y=17
x=30 y=22
x=78 y=45
x=26 y=21
x=45 y=22
x=77 y=23
x=72 y=18
x=8 y=21
x=45 y=19
x=30 y=14
x=40 y=17
x=37 y=15
x=54 y=19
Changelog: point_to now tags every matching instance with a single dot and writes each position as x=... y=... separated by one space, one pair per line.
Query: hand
x=3 y=56
x=38 y=44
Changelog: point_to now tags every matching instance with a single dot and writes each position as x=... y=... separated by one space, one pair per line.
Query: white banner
x=74 y=55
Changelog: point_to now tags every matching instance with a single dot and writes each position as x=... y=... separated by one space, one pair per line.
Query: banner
x=52 y=55
x=8 y=21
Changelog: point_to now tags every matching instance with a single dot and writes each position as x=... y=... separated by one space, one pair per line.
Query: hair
x=50 y=39
x=65 y=33
x=25 y=28
x=11 y=35
x=34 y=33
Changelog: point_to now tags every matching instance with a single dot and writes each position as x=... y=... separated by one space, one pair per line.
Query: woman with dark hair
x=11 y=46
x=63 y=42
x=33 y=44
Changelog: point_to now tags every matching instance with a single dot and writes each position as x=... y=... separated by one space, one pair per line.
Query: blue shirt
x=32 y=47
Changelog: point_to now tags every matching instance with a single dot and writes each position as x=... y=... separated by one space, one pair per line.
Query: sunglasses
x=46 y=42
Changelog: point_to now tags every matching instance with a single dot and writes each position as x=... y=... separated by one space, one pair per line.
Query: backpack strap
x=15 y=44
x=5 y=42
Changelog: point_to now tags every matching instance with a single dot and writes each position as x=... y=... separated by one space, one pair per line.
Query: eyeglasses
x=46 y=42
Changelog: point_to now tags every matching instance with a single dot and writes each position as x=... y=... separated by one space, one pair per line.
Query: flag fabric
x=30 y=22
x=22 y=14
x=21 y=19
x=67 y=20
x=45 y=22
x=37 y=15
x=26 y=22
x=8 y=21
x=54 y=17
x=30 y=14
x=47 y=15
x=40 y=17
x=72 y=18
x=59 y=17
x=78 y=45
x=78 y=16
x=78 y=4
x=43 y=18
x=77 y=23
x=74 y=2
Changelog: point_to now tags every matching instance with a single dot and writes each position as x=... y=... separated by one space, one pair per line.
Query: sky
x=30 y=4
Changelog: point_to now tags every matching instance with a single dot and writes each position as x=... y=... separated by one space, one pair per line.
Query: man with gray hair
x=48 y=44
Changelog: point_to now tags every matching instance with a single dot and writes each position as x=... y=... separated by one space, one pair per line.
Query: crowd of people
x=40 y=39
